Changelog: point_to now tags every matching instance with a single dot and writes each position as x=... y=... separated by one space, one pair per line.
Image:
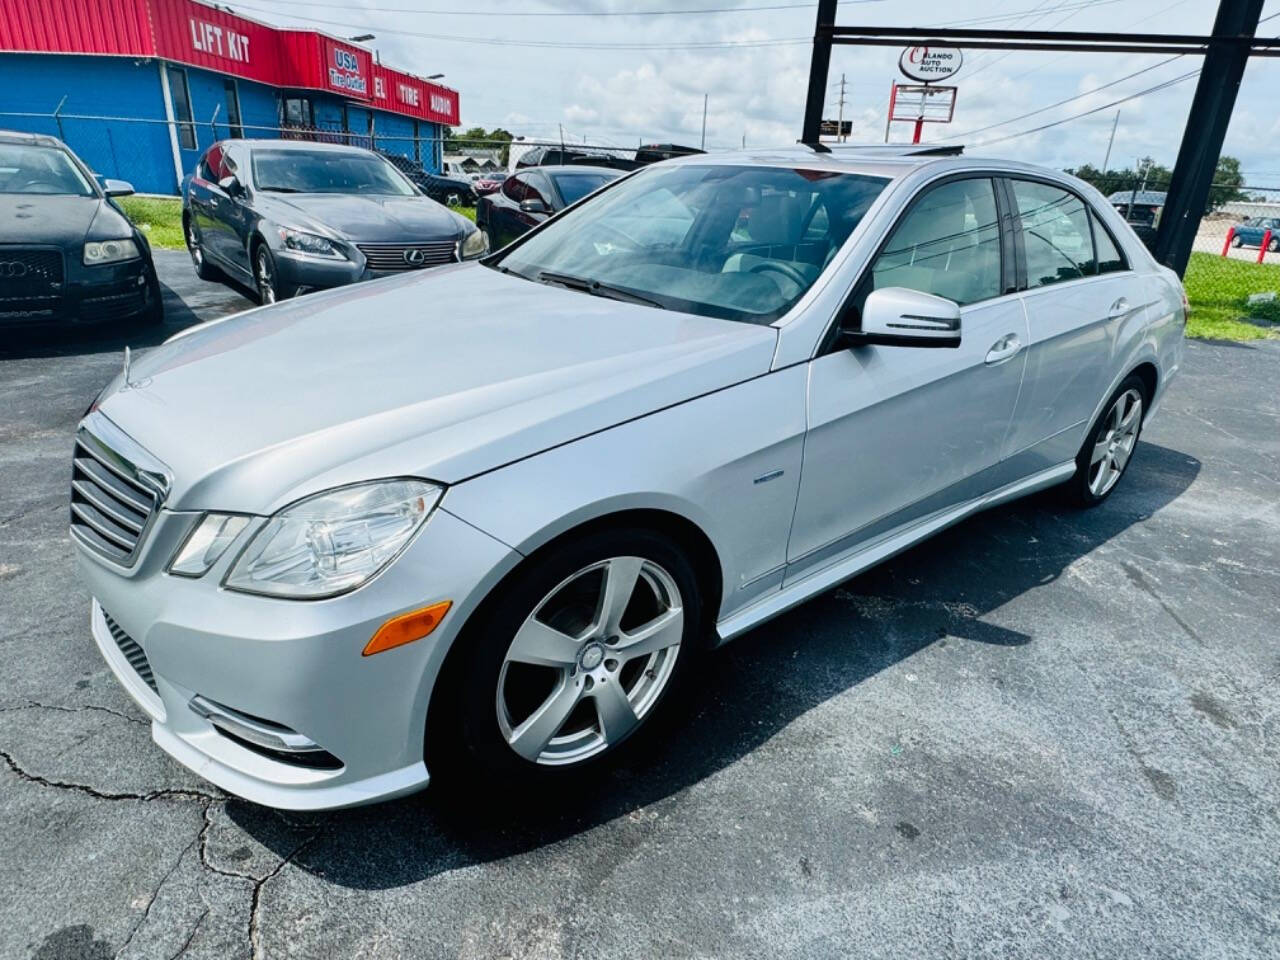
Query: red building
x=139 y=88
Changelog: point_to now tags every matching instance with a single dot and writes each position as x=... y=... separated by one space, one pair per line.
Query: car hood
x=66 y=221
x=360 y=218
x=444 y=375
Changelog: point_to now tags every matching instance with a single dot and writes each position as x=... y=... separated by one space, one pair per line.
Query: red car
x=489 y=183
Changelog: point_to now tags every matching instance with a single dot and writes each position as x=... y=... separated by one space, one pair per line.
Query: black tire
x=204 y=269
x=268 y=289
x=1274 y=245
x=1237 y=242
x=1080 y=487
x=465 y=742
x=153 y=316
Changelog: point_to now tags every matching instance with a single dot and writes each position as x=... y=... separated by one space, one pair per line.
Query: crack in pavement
x=191 y=936
x=168 y=793
x=155 y=895
x=35 y=705
x=255 y=944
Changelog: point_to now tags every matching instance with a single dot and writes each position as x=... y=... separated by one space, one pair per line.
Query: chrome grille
x=132 y=652
x=111 y=506
x=404 y=256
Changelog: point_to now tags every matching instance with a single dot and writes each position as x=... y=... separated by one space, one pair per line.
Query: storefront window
x=297 y=112
x=181 y=97
x=233 y=108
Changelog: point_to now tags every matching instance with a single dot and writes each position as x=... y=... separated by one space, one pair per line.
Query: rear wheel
x=1274 y=245
x=584 y=651
x=1107 y=449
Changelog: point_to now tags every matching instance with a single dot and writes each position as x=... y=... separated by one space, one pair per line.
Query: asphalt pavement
x=1045 y=733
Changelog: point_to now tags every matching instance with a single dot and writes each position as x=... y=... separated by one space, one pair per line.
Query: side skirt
x=881 y=549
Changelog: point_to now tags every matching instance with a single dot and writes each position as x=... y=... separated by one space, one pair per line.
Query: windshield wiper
x=281 y=189
x=596 y=288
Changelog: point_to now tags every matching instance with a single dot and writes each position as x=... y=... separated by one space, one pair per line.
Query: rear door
x=1079 y=293
x=899 y=433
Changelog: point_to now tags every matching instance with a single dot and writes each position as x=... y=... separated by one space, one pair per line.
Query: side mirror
x=117 y=188
x=231 y=186
x=534 y=206
x=898 y=317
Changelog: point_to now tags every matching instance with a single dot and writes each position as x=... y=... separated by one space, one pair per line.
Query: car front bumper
x=89 y=295
x=301 y=274
x=285 y=668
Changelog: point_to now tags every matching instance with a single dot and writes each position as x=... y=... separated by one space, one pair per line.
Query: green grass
x=160 y=218
x=1218 y=289
x=468 y=212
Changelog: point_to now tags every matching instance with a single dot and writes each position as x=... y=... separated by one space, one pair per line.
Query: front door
x=898 y=433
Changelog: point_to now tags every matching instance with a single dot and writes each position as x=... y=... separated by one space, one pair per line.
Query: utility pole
x=840 y=115
x=1210 y=113
x=704 y=121
x=1114 y=123
x=818 y=67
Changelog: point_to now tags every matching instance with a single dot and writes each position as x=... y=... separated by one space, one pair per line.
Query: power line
x=453 y=12
x=548 y=44
x=1087 y=113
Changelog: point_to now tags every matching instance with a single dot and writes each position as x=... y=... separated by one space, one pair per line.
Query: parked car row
x=68 y=253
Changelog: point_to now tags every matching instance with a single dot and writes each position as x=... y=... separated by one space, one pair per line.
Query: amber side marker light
x=407 y=628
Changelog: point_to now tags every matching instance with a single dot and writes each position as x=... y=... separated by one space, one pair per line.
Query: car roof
x=309 y=145
x=36 y=139
x=573 y=168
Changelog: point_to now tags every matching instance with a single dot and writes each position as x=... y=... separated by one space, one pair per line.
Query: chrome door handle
x=1004 y=348
x=1118 y=309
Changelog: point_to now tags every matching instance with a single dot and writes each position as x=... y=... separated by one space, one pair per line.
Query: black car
x=531 y=195
x=571 y=156
x=67 y=250
x=289 y=216
x=450 y=191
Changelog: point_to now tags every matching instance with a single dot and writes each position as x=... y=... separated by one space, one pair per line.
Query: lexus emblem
x=15 y=269
x=415 y=257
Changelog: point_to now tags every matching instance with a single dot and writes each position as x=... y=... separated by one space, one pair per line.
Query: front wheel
x=265 y=281
x=1102 y=460
x=204 y=269
x=1237 y=242
x=583 y=652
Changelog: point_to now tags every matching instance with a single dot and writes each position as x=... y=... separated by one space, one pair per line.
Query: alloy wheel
x=591 y=661
x=264 y=276
x=1115 y=443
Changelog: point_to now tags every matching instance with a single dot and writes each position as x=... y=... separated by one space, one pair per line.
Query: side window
x=181 y=97
x=1110 y=259
x=513 y=188
x=947 y=245
x=1055 y=232
x=211 y=165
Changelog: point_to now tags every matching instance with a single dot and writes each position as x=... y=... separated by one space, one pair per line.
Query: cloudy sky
x=618 y=72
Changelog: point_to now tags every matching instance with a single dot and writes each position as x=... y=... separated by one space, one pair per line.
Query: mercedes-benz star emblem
x=415 y=256
x=13 y=269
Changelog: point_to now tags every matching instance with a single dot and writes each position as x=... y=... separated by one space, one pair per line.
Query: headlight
x=206 y=543
x=335 y=541
x=310 y=244
x=474 y=244
x=98 y=252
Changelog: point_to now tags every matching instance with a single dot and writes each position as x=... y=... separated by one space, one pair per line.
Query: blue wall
x=134 y=150
x=131 y=141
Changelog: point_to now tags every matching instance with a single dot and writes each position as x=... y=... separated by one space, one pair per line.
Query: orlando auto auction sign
x=930 y=64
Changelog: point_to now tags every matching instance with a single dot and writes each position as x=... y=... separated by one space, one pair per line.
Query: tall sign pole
x=818 y=69
x=1211 y=107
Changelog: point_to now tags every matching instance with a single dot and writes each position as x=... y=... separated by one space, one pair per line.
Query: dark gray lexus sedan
x=290 y=216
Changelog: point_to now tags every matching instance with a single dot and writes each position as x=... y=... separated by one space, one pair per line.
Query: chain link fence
x=1233 y=276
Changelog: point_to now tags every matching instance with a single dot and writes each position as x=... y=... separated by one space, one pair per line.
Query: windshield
x=737 y=242
x=327 y=171
x=574 y=186
x=28 y=168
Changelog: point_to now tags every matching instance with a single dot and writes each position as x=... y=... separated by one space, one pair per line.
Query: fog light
x=407 y=627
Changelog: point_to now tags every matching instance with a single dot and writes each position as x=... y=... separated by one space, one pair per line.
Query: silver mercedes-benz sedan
x=485 y=520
